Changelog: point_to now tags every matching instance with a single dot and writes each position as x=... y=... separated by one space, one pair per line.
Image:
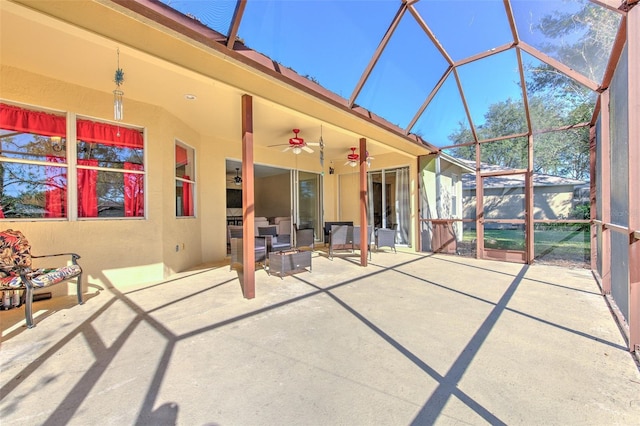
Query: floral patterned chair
x=17 y=276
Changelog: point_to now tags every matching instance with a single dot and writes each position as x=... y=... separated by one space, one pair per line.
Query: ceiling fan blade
x=306 y=148
x=314 y=143
x=286 y=149
x=279 y=144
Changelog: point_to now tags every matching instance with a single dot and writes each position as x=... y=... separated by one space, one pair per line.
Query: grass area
x=567 y=241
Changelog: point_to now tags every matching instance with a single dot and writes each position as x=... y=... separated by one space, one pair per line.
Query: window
x=110 y=170
x=454 y=195
x=34 y=167
x=33 y=164
x=185 y=180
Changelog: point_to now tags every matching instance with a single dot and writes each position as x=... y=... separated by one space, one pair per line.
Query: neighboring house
x=504 y=196
x=441 y=198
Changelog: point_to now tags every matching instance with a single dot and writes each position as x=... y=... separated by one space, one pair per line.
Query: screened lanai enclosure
x=498 y=129
x=531 y=108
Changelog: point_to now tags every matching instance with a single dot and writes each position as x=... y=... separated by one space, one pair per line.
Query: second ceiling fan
x=297 y=144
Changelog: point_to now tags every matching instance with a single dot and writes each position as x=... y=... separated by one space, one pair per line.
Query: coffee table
x=289 y=261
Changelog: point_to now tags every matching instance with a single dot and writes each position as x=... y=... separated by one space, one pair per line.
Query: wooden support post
x=248 y=274
x=364 y=238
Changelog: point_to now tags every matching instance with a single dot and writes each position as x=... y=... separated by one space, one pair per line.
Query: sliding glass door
x=308 y=201
x=389 y=202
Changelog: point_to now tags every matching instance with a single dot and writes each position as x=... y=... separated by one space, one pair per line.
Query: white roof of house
x=539 y=179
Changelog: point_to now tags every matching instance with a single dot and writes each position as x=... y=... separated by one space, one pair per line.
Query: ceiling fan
x=235 y=180
x=297 y=144
x=352 y=158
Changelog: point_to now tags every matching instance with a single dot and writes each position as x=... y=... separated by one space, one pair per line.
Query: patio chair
x=356 y=238
x=235 y=247
x=305 y=238
x=259 y=221
x=327 y=229
x=237 y=253
x=17 y=275
x=234 y=231
x=275 y=242
x=340 y=238
x=386 y=238
x=283 y=224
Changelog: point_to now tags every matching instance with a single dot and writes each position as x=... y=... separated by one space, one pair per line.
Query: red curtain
x=181 y=156
x=55 y=196
x=87 y=189
x=24 y=120
x=133 y=191
x=187 y=198
x=123 y=137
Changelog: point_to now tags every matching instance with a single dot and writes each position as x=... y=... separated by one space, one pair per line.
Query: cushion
x=41 y=277
x=14 y=250
x=54 y=276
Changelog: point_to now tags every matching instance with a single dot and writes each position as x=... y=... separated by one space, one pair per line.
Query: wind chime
x=117 y=93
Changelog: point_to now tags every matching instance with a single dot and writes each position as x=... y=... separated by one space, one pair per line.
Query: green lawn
x=567 y=241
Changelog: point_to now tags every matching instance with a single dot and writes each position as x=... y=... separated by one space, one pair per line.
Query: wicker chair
x=340 y=238
x=305 y=239
x=237 y=253
x=19 y=280
x=275 y=242
x=386 y=238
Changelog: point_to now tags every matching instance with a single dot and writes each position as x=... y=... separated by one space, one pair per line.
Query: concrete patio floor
x=411 y=339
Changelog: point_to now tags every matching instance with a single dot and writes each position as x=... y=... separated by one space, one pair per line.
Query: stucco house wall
x=115 y=251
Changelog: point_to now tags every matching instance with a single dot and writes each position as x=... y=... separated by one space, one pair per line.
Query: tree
x=581 y=40
x=584 y=41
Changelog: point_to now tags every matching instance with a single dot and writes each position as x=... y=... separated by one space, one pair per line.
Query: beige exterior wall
x=115 y=252
x=121 y=252
x=550 y=202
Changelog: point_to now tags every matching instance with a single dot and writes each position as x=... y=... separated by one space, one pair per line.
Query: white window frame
x=191 y=159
